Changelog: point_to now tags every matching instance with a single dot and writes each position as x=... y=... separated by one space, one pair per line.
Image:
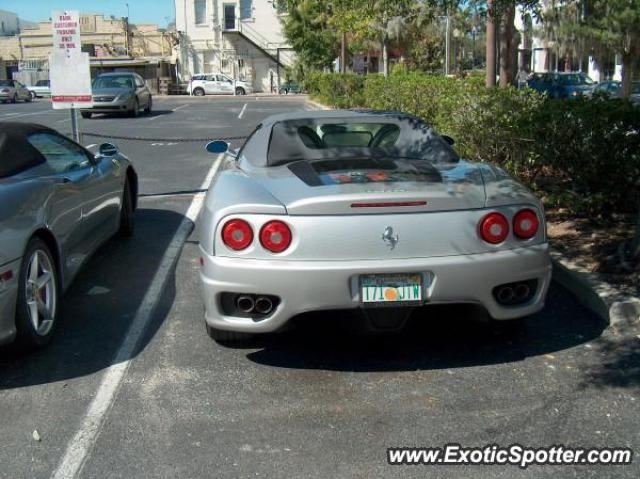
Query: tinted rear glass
x=6 y=83
x=329 y=139
x=124 y=81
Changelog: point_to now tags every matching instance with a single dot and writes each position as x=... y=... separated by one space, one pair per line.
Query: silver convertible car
x=372 y=210
x=58 y=203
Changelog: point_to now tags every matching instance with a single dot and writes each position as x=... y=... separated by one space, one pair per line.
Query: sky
x=140 y=11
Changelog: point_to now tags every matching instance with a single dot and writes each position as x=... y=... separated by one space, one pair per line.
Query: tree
x=307 y=29
x=613 y=26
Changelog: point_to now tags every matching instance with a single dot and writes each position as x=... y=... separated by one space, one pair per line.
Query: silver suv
x=217 y=84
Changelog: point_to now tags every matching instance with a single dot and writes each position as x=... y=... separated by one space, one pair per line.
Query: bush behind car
x=583 y=155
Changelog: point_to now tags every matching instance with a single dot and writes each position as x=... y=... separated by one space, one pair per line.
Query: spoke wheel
x=41 y=293
x=38 y=294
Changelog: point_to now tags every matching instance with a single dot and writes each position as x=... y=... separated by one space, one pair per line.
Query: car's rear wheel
x=240 y=91
x=37 y=306
x=86 y=114
x=126 y=213
x=224 y=336
x=147 y=110
x=198 y=92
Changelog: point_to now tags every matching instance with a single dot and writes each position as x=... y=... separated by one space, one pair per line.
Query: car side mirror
x=449 y=140
x=217 y=147
x=107 y=149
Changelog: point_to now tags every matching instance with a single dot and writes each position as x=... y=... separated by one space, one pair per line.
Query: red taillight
x=275 y=236
x=494 y=228
x=237 y=234
x=525 y=224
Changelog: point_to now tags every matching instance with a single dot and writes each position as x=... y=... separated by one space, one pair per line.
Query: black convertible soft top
x=16 y=153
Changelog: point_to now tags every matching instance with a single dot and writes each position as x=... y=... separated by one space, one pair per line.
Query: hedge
x=582 y=154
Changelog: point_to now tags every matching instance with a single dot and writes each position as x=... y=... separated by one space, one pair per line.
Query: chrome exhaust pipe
x=264 y=305
x=521 y=291
x=245 y=304
x=505 y=295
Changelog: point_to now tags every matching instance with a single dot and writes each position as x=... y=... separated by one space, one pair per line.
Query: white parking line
x=43 y=112
x=242 y=111
x=81 y=444
x=180 y=107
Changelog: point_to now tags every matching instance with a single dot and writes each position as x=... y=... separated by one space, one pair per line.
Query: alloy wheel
x=40 y=292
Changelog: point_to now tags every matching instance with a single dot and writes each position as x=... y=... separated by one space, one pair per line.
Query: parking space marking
x=81 y=444
x=242 y=111
x=180 y=107
x=43 y=112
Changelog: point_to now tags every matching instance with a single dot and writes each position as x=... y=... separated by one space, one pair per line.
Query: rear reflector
x=389 y=204
x=237 y=234
x=525 y=224
x=275 y=236
x=494 y=228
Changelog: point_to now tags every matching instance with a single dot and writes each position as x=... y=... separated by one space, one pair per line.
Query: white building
x=537 y=55
x=241 y=38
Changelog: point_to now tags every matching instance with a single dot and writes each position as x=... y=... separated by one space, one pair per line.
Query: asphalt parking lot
x=321 y=400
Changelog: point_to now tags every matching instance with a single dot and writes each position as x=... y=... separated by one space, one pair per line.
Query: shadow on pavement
x=99 y=306
x=436 y=338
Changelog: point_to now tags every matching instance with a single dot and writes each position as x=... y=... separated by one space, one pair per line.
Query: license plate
x=391 y=288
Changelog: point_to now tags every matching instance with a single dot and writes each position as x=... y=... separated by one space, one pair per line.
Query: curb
x=616 y=308
x=317 y=105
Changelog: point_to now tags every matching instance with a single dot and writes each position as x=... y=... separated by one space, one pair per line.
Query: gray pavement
x=321 y=400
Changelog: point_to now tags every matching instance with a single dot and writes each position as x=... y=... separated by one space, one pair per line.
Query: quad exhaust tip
x=513 y=294
x=245 y=304
x=263 y=305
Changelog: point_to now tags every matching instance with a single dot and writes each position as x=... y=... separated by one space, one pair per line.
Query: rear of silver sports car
x=368 y=212
x=263 y=269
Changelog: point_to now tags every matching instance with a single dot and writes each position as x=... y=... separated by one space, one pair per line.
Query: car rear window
x=374 y=137
x=124 y=81
x=6 y=83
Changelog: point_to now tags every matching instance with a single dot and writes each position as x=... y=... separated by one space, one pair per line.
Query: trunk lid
x=357 y=187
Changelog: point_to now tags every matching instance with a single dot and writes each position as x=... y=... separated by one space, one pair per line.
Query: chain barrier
x=165 y=140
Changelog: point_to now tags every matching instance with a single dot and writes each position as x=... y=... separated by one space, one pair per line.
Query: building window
x=246 y=9
x=200 y=10
x=224 y=65
x=3 y=27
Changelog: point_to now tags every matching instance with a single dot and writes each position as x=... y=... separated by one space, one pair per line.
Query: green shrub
x=582 y=154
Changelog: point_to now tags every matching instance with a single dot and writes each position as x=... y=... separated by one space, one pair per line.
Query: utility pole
x=490 y=79
x=343 y=54
x=447 y=45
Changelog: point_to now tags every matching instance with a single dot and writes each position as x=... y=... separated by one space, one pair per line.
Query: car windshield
x=123 y=81
x=374 y=137
x=575 y=79
x=635 y=88
x=6 y=83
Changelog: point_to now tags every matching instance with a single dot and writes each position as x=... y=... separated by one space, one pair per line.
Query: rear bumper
x=305 y=286
x=8 y=298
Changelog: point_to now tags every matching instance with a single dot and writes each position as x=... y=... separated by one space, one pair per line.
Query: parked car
x=346 y=210
x=12 y=91
x=561 y=85
x=613 y=89
x=60 y=203
x=289 y=87
x=42 y=88
x=217 y=84
x=119 y=93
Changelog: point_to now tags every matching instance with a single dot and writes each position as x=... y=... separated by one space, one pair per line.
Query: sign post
x=69 y=68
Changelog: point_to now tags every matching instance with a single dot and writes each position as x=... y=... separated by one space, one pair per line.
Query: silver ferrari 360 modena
x=372 y=210
x=58 y=203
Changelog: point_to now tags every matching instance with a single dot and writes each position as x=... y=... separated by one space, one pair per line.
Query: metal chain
x=138 y=138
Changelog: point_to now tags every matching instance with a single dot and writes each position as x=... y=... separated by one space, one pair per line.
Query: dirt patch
x=596 y=246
